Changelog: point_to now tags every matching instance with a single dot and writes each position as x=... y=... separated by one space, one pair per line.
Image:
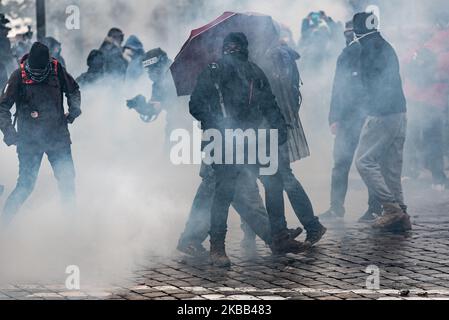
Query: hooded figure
x=37 y=89
x=55 y=49
x=114 y=62
x=234 y=93
x=95 y=71
x=134 y=53
x=381 y=146
x=282 y=71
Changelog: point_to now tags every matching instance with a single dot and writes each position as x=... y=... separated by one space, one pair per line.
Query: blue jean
x=29 y=165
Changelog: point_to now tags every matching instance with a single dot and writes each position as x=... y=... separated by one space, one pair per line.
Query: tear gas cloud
x=133 y=203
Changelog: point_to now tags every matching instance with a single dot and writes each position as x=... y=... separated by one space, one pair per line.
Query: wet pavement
x=343 y=266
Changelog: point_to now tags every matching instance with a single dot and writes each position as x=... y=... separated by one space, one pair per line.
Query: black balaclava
x=236 y=44
x=38 y=65
x=365 y=23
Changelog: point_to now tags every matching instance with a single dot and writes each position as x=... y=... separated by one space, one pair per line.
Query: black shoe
x=333 y=214
x=315 y=234
x=295 y=233
x=218 y=255
x=192 y=249
x=284 y=244
x=369 y=217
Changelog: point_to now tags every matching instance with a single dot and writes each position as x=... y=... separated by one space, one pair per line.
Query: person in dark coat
x=95 y=71
x=134 y=54
x=164 y=97
x=234 y=93
x=283 y=74
x=346 y=118
x=115 y=63
x=381 y=146
x=37 y=89
x=55 y=48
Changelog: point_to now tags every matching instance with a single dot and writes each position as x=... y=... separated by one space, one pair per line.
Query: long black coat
x=381 y=76
x=50 y=129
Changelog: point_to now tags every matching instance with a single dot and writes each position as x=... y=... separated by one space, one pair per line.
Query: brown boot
x=218 y=255
x=392 y=215
x=283 y=244
x=403 y=225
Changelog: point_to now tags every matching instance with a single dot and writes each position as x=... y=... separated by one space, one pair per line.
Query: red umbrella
x=205 y=45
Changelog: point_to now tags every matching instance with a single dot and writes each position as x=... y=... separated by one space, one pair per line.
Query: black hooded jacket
x=381 y=77
x=42 y=124
x=247 y=97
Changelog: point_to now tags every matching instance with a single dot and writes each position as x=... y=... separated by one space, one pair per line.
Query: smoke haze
x=133 y=204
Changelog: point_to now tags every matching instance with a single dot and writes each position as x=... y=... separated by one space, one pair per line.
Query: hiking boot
x=192 y=249
x=315 y=234
x=333 y=214
x=218 y=255
x=404 y=225
x=392 y=215
x=283 y=244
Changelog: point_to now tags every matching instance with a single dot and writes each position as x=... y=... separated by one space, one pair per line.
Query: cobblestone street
x=412 y=266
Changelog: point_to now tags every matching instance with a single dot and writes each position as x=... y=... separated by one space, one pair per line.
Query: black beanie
x=237 y=38
x=39 y=57
x=362 y=22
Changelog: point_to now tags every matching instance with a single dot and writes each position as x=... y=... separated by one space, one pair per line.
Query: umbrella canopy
x=205 y=45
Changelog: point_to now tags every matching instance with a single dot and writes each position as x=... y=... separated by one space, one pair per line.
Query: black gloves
x=70 y=119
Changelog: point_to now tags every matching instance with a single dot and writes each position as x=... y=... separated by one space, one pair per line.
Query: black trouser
x=225 y=187
x=300 y=201
x=29 y=165
x=433 y=145
x=346 y=142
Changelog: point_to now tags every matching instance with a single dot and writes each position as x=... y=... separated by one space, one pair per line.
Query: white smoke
x=133 y=203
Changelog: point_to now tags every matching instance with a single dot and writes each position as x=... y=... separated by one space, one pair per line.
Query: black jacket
x=50 y=128
x=348 y=101
x=381 y=77
x=247 y=96
x=114 y=62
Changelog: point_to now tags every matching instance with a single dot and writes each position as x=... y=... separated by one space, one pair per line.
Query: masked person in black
x=234 y=93
x=283 y=74
x=37 y=89
x=95 y=71
x=346 y=119
x=114 y=62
